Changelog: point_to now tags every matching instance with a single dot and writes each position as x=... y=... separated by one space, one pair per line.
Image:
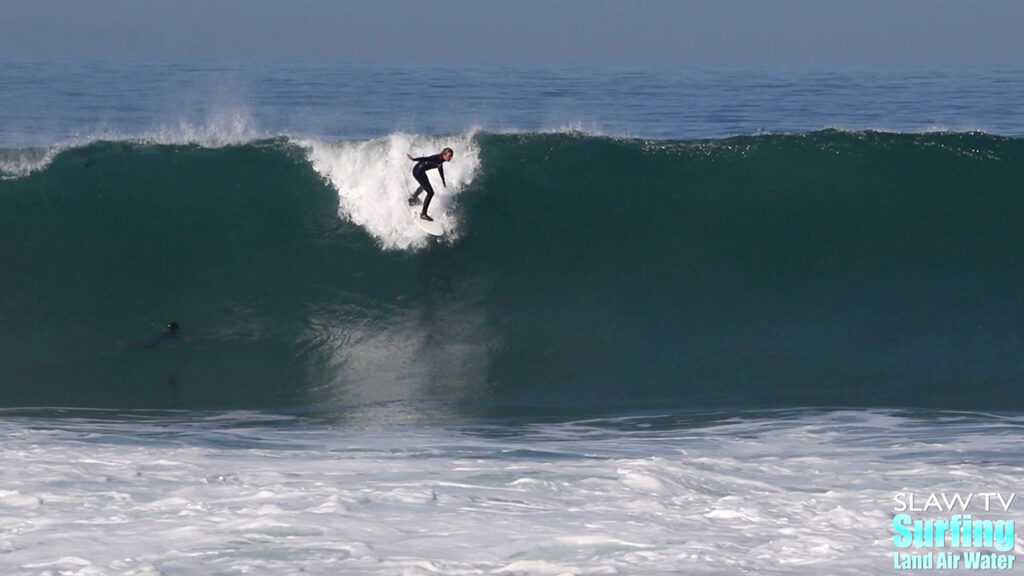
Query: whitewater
x=698 y=322
x=239 y=493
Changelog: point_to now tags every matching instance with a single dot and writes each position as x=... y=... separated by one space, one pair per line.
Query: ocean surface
x=682 y=321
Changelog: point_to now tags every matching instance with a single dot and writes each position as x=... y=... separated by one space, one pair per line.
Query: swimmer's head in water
x=172 y=326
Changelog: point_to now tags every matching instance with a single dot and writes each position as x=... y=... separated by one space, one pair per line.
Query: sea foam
x=786 y=493
x=373 y=180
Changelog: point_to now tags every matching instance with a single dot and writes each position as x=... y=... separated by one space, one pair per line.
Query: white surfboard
x=433 y=228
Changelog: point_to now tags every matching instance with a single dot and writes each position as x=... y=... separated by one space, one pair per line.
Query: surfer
x=170 y=331
x=419 y=171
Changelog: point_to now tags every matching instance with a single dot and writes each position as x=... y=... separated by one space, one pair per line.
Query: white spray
x=373 y=180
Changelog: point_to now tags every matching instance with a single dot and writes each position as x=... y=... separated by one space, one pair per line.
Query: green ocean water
x=820 y=269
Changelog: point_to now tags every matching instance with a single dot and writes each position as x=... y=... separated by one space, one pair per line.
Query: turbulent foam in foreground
x=773 y=493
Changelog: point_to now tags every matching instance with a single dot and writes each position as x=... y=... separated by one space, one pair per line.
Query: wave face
x=580 y=273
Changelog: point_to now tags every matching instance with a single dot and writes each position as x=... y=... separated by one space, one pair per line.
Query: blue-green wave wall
x=828 y=268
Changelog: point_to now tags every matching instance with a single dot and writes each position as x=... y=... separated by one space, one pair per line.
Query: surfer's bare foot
x=427 y=218
x=414 y=201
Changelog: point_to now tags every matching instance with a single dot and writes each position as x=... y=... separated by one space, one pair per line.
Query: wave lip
x=234 y=127
x=23 y=162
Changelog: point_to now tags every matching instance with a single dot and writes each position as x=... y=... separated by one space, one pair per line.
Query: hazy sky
x=790 y=33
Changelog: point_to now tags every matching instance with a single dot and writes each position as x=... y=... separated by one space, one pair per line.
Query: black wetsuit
x=419 y=171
